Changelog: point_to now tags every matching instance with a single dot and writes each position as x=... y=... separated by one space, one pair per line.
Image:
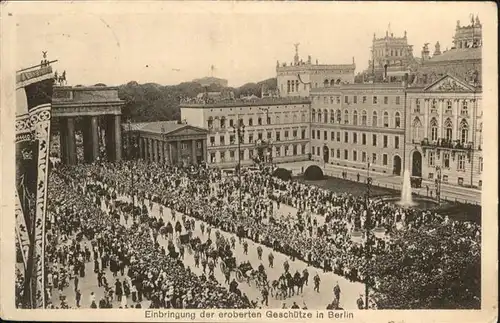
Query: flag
x=33 y=113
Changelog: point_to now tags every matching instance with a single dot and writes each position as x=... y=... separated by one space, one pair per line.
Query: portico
x=88 y=117
x=166 y=142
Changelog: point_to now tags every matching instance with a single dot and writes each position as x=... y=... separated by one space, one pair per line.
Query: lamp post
x=356 y=236
x=438 y=184
x=239 y=130
x=130 y=156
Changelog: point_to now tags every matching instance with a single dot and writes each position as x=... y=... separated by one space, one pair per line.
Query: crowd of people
x=319 y=234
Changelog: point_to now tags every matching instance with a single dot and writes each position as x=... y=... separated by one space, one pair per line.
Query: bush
x=283 y=174
x=313 y=173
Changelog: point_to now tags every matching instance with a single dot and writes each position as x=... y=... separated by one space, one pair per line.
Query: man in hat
x=360 y=302
x=316 y=282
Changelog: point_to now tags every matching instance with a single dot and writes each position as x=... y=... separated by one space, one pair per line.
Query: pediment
x=449 y=83
x=188 y=131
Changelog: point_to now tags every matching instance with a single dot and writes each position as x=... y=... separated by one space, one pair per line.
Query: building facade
x=273 y=129
x=298 y=78
x=165 y=142
x=356 y=124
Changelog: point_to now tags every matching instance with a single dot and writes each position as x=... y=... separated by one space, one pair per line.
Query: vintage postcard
x=249 y=161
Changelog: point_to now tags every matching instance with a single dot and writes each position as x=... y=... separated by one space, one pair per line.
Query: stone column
x=455 y=120
x=87 y=140
x=170 y=156
x=139 y=139
x=193 y=152
x=161 y=157
x=204 y=147
x=63 y=134
x=94 y=134
x=154 y=152
x=71 y=141
x=178 y=159
x=440 y=118
x=118 y=138
x=426 y=118
x=150 y=149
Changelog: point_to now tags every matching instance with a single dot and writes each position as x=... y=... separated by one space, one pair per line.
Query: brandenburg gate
x=93 y=111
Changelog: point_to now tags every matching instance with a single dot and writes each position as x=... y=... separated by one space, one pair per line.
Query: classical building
x=168 y=142
x=91 y=114
x=353 y=124
x=275 y=129
x=298 y=78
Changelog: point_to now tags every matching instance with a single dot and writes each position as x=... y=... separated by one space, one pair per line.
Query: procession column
x=94 y=134
x=118 y=138
x=193 y=152
x=71 y=141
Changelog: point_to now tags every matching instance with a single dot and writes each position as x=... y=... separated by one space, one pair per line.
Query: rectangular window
x=313 y=134
x=355 y=99
x=355 y=138
x=278 y=135
x=374 y=99
x=338 y=136
x=384 y=159
x=397 y=100
x=386 y=100
x=374 y=158
x=346 y=154
x=260 y=135
x=346 y=99
x=331 y=102
x=231 y=123
x=318 y=134
x=338 y=99
x=212 y=158
x=303 y=134
x=431 y=175
x=461 y=181
x=250 y=138
x=396 y=142
x=354 y=155
x=332 y=136
x=294 y=133
x=338 y=153
x=374 y=140
x=461 y=162
x=346 y=137
x=363 y=157
x=445 y=178
x=363 y=139
x=325 y=135
x=286 y=134
x=212 y=141
x=270 y=135
x=364 y=99
x=231 y=154
x=313 y=151
x=385 y=141
x=432 y=158
x=222 y=140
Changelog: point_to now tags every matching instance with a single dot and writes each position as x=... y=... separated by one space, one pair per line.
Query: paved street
x=448 y=192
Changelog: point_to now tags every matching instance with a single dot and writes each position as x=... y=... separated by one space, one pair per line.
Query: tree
x=433 y=267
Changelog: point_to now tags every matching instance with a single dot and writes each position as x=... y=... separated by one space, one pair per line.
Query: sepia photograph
x=288 y=160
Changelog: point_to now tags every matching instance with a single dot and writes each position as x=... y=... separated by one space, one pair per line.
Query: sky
x=169 y=42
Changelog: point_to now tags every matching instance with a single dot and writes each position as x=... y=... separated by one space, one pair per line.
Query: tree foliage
x=313 y=173
x=154 y=102
x=434 y=267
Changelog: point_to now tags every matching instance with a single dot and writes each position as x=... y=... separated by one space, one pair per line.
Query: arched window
x=326 y=83
x=355 y=118
x=374 y=119
x=363 y=118
x=448 y=126
x=332 y=116
x=332 y=82
x=417 y=129
x=397 y=118
x=325 y=116
x=464 y=132
x=223 y=122
x=386 y=119
x=434 y=129
x=313 y=115
x=338 y=81
x=319 y=116
x=338 y=116
x=297 y=85
x=346 y=116
x=210 y=123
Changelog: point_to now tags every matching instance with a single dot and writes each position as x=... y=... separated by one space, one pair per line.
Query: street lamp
x=357 y=235
x=438 y=184
x=240 y=131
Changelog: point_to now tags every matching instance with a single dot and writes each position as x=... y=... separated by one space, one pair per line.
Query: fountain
x=406 y=198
